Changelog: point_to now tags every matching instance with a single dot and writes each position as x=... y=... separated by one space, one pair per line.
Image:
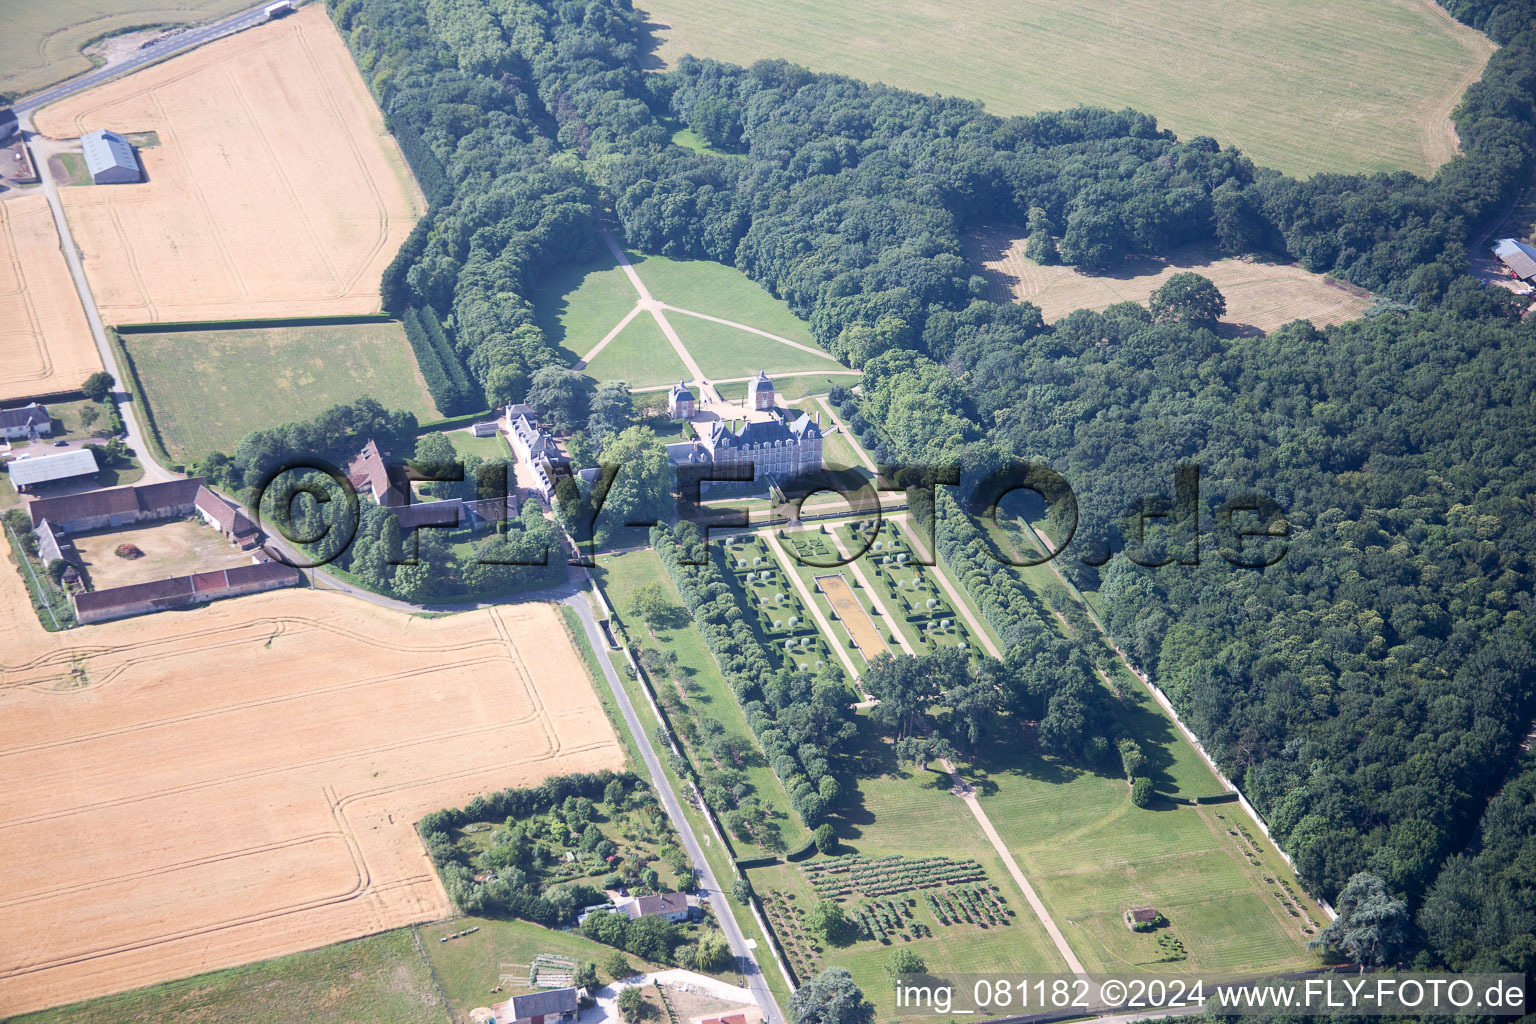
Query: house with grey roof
x=540 y=462
x=672 y=906
x=110 y=158
x=556 y=1006
x=29 y=422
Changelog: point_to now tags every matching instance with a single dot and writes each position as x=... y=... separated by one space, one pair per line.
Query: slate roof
x=657 y=903
x=27 y=415
x=542 y=1004
x=448 y=512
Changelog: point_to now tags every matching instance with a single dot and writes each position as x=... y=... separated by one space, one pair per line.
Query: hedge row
x=424 y=163
x=438 y=372
x=451 y=362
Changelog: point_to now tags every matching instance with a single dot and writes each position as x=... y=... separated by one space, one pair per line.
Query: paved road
x=756 y=984
x=158 y=51
x=153 y=471
x=178 y=43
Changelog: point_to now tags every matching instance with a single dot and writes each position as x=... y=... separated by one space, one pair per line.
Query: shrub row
x=435 y=370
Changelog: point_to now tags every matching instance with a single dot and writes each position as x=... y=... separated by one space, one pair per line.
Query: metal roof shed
x=48 y=468
x=110 y=158
x=1517 y=256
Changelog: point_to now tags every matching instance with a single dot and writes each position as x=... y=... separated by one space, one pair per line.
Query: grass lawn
x=708 y=694
x=725 y=352
x=792 y=389
x=469 y=967
x=906 y=811
x=577 y=304
x=207 y=389
x=1090 y=853
x=1300 y=85
x=640 y=355
x=382 y=979
x=719 y=290
x=69 y=169
x=465 y=443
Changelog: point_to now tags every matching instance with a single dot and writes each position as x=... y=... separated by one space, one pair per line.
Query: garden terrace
x=783 y=624
x=923 y=612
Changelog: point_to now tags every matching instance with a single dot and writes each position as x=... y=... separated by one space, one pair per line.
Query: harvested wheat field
x=196 y=790
x=852 y=614
x=274 y=191
x=45 y=343
x=1260 y=296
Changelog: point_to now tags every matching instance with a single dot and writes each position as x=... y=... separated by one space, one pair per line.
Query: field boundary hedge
x=184 y=326
x=138 y=396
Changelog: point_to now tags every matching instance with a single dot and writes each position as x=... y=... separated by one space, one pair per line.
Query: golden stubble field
x=196 y=790
x=1260 y=296
x=275 y=189
x=45 y=342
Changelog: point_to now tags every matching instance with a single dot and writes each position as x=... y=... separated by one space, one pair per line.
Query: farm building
x=8 y=125
x=183 y=591
x=672 y=906
x=30 y=422
x=553 y=1007
x=110 y=158
x=369 y=474
x=1518 y=257
x=389 y=487
x=124 y=506
x=47 y=469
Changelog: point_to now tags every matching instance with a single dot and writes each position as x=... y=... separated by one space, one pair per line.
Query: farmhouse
x=672 y=906
x=30 y=422
x=183 y=591
x=553 y=1007
x=390 y=488
x=369 y=474
x=1518 y=257
x=27 y=473
x=110 y=158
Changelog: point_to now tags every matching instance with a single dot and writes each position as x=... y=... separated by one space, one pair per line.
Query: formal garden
x=783 y=624
x=910 y=592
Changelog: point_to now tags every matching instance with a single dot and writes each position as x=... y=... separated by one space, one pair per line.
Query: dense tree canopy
x=1368 y=691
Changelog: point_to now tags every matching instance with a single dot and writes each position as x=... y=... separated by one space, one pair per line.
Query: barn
x=8 y=125
x=1518 y=257
x=110 y=158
